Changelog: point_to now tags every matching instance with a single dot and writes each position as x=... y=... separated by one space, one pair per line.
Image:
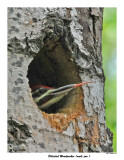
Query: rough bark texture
x=55 y=47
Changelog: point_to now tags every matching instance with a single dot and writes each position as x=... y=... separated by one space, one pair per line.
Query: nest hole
x=56 y=68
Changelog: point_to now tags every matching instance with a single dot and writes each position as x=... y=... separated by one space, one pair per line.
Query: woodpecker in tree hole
x=45 y=96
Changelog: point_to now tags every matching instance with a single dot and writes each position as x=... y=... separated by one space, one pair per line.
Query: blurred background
x=110 y=69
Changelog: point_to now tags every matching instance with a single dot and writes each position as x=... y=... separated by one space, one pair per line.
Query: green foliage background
x=109 y=66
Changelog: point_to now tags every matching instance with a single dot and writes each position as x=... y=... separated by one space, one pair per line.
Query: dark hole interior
x=55 y=68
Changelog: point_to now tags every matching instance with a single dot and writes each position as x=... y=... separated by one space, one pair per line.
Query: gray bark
x=55 y=47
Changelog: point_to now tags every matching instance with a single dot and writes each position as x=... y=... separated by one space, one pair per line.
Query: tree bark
x=56 y=47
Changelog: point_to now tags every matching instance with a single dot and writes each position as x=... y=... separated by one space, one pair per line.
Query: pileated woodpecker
x=45 y=96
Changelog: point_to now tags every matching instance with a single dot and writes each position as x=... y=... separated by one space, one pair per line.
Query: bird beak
x=80 y=84
x=68 y=87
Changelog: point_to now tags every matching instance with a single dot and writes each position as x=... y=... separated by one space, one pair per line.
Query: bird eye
x=42 y=90
x=38 y=92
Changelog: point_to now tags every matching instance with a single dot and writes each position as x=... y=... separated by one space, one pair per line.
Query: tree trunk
x=55 y=47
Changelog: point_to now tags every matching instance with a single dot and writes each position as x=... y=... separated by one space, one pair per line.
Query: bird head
x=45 y=96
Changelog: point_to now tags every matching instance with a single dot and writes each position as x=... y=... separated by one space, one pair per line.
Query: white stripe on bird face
x=50 y=102
x=49 y=97
x=38 y=92
x=37 y=98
